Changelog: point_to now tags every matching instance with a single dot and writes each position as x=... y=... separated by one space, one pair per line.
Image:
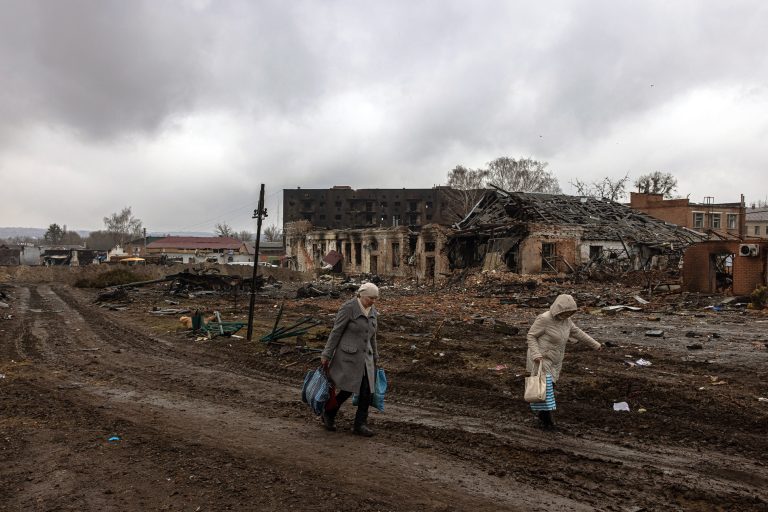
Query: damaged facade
x=520 y=232
x=392 y=251
x=721 y=266
x=14 y=255
x=342 y=207
x=531 y=233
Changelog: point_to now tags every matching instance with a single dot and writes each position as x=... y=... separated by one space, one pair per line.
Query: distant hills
x=40 y=232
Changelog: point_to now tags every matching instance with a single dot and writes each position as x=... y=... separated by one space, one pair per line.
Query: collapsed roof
x=601 y=219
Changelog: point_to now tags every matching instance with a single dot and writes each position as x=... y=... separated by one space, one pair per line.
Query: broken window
x=429 y=272
x=698 y=219
x=413 y=219
x=348 y=252
x=429 y=246
x=307 y=216
x=716 y=220
x=307 y=205
x=595 y=251
x=547 y=257
x=383 y=204
x=723 y=266
x=428 y=205
x=374 y=245
x=369 y=218
x=429 y=216
x=413 y=205
x=358 y=253
x=338 y=204
x=395 y=254
x=338 y=217
x=369 y=206
x=731 y=221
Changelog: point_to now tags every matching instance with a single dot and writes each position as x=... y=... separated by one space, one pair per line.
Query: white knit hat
x=368 y=290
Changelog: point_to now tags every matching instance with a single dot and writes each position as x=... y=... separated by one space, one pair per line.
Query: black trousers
x=363 y=401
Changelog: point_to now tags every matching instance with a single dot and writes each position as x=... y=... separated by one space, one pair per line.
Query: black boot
x=546 y=421
x=361 y=416
x=329 y=420
x=363 y=430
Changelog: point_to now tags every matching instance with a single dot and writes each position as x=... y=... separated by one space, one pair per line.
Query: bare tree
x=273 y=233
x=123 y=225
x=101 y=240
x=607 y=188
x=245 y=236
x=467 y=186
x=657 y=182
x=224 y=230
x=71 y=238
x=522 y=175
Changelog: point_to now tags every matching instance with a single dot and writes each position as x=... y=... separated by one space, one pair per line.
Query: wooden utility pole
x=258 y=214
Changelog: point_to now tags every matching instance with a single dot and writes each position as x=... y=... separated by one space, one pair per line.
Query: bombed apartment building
x=531 y=233
x=342 y=207
x=396 y=251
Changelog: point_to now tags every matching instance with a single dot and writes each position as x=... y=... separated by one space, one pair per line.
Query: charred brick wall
x=563 y=240
x=345 y=208
x=748 y=272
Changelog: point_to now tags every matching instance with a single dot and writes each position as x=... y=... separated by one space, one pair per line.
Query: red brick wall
x=748 y=272
x=680 y=211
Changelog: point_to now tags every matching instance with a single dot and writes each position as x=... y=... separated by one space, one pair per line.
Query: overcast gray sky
x=180 y=109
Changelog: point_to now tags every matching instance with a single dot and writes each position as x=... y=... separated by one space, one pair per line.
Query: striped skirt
x=549 y=403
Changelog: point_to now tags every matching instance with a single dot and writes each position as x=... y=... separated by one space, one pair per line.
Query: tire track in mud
x=178 y=412
x=510 y=453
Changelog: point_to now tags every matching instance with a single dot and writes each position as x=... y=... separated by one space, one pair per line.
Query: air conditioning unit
x=749 y=250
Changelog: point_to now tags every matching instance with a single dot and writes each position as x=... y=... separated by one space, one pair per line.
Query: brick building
x=531 y=233
x=391 y=251
x=724 y=220
x=341 y=207
x=725 y=265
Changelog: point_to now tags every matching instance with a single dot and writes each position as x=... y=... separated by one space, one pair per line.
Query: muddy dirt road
x=208 y=426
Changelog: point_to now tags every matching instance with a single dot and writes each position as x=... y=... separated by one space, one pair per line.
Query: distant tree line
x=468 y=185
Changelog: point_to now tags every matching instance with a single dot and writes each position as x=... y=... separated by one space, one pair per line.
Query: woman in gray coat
x=350 y=356
x=546 y=348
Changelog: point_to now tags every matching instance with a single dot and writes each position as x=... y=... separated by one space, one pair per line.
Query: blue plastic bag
x=316 y=390
x=379 y=389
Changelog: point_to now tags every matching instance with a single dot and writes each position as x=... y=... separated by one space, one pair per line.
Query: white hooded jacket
x=548 y=335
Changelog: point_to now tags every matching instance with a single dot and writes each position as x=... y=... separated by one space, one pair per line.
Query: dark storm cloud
x=309 y=93
x=482 y=75
x=109 y=68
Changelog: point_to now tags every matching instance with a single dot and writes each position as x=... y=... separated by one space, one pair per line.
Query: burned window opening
x=395 y=254
x=548 y=257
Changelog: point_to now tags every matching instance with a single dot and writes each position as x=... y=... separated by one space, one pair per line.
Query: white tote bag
x=536 y=387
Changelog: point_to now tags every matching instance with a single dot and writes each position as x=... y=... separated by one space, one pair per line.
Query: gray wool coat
x=352 y=348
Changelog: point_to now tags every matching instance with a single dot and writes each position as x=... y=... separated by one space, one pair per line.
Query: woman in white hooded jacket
x=546 y=346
